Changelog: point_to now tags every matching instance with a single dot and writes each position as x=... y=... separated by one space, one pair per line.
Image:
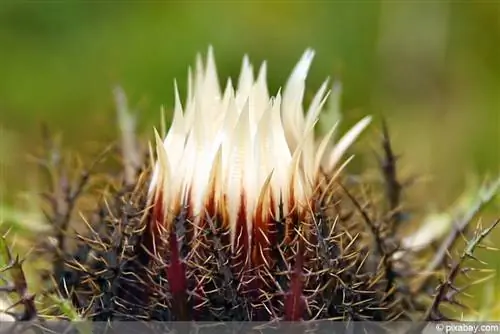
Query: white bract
x=242 y=150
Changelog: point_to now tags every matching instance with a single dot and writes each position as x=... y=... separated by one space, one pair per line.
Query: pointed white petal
x=320 y=152
x=245 y=82
x=211 y=79
x=293 y=114
x=317 y=104
x=164 y=173
x=176 y=135
x=260 y=93
x=346 y=141
x=332 y=114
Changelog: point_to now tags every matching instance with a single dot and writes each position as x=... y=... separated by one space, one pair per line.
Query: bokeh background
x=431 y=68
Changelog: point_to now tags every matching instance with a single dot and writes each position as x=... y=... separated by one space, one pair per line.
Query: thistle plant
x=240 y=211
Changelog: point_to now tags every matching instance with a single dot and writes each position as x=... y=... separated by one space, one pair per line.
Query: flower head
x=244 y=155
x=241 y=220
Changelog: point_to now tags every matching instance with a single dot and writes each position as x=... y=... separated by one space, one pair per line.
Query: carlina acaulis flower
x=244 y=211
x=246 y=168
x=245 y=157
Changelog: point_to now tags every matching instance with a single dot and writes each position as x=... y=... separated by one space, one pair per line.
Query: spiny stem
x=448 y=284
x=393 y=187
x=18 y=285
x=484 y=196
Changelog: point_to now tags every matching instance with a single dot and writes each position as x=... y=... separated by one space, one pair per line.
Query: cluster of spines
x=111 y=275
x=337 y=276
x=334 y=273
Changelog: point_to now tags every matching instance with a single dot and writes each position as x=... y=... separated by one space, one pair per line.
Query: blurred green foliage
x=431 y=68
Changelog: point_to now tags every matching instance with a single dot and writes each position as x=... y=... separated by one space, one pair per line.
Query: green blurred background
x=432 y=68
